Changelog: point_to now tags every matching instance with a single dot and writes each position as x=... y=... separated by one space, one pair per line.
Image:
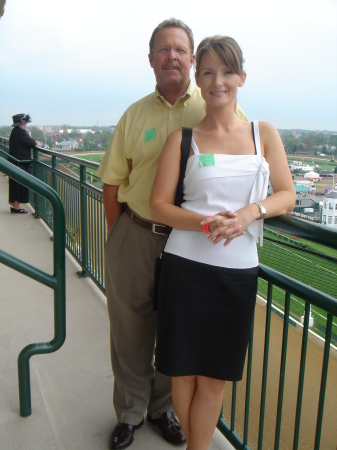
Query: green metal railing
x=302 y=228
x=311 y=297
x=85 y=239
x=55 y=281
x=83 y=205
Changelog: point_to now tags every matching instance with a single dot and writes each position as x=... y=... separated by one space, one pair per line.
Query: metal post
x=36 y=196
x=282 y=370
x=265 y=365
x=84 y=227
x=54 y=167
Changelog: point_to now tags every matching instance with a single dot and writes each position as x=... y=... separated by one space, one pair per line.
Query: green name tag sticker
x=149 y=135
x=207 y=159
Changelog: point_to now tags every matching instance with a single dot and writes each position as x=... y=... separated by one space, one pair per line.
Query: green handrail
x=55 y=281
x=302 y=228
x=12 y=158
x=307 y=293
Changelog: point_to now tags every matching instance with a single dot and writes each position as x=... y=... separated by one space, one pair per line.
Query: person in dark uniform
x=20 y=145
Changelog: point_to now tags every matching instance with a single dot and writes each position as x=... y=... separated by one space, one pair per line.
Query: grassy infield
x=94 y=157
x=310 y=269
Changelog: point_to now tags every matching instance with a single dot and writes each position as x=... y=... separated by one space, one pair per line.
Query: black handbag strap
x=185 y=151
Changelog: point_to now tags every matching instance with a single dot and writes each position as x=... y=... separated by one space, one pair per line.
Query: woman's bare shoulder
x=267 y=129
x=175 y=136
x=172 y=144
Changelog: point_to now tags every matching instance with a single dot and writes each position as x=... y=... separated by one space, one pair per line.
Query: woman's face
x=218 y=84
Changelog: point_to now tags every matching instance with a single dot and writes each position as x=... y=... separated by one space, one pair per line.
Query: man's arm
x=112 y=207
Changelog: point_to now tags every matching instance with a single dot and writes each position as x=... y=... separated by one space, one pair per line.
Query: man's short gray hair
x=174 y=23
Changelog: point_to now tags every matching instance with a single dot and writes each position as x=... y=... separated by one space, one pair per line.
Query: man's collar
x=188 y=91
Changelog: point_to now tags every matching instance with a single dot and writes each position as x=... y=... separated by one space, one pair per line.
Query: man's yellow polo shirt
x=131 y=159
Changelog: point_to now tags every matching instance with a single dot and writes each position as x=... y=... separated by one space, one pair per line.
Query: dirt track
x=310 y=395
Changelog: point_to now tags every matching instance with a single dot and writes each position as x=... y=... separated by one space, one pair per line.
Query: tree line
x=310 y=142
x=98 y=140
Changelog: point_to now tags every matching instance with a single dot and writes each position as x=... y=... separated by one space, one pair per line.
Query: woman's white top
x=233 y=182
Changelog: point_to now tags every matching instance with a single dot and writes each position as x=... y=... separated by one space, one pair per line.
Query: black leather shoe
x=170 y=427
x=122 y=435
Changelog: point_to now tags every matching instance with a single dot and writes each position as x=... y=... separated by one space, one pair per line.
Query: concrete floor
x=71 y=389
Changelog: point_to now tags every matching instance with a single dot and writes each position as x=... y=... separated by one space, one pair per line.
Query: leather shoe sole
x=122 y=435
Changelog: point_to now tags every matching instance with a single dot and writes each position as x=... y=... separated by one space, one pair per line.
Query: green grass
x=312 y=270
x=304 y=243
x=96 y=158
x=318 y=248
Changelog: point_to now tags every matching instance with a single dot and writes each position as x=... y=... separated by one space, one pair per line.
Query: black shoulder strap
x=185 y=151
x=254 y=137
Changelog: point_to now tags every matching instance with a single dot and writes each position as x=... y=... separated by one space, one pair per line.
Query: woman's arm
x=26 y=140
x=163 y=192
x=284 y=194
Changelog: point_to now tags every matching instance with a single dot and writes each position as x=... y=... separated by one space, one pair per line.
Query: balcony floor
x=71 y=389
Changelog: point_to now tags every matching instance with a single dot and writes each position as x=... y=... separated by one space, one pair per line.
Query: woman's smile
x=218 y=93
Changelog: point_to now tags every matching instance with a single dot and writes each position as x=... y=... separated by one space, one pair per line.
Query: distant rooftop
x=300 y=188
x=331 y=194
x=68 y=143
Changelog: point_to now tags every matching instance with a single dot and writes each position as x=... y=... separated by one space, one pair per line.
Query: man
x=134 y=241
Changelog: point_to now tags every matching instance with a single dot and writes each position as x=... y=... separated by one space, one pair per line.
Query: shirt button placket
x=170 y=122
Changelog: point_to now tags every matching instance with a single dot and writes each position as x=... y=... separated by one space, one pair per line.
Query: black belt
x=154 y=227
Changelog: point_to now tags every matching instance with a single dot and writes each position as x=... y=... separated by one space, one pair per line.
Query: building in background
x=330 y=209
x=68 y=145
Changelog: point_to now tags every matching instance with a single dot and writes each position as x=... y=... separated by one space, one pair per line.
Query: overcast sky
x=83 y=62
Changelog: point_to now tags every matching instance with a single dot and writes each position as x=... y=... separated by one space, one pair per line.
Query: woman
x=208 y=283
x=20 y=145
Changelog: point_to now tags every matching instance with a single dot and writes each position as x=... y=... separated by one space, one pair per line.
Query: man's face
x=171 y=58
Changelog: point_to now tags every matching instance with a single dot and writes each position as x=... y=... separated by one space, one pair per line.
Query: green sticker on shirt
x=206 y=159
x=149 y=135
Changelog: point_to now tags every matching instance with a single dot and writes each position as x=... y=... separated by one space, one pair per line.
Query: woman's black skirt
x=16 y=191
x=204 y=318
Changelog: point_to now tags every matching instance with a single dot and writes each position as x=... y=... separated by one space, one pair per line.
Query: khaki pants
x=130 y=254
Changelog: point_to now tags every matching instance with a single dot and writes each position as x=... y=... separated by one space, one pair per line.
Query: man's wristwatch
x=262 y=209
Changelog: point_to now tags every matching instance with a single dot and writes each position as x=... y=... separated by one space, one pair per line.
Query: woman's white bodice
x=233 y=182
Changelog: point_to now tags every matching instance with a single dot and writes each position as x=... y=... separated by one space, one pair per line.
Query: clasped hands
x=226 y=225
